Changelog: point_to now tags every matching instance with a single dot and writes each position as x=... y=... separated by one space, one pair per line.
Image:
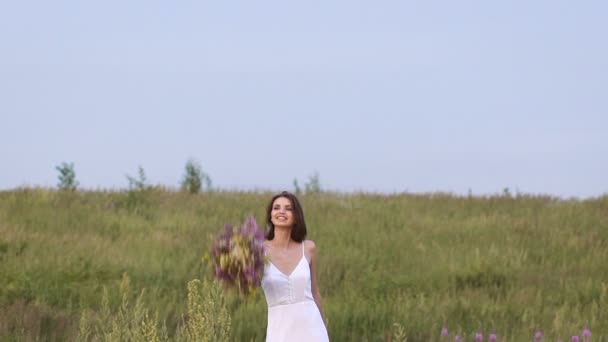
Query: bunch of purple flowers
x=238 y=256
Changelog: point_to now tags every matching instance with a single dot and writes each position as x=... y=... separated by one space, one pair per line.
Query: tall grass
x=507 y=264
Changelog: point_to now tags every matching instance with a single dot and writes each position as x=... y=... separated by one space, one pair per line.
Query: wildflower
x=457 y=338
x=586 y=333
x=238 y=256
x=492 y=337
x=478 y=337
x=575 y=338
x=444 y=331
x=537 y=336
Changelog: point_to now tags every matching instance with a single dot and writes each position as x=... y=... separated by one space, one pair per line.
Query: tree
x=67 y=177
x=194 y=177
x=138 y=195
x=314 y=184
x=296 y=186
x=138 y=184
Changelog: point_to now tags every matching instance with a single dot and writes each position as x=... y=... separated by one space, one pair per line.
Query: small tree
x=194 y=178
x=67 y=177
x=314 y=184
x=139 y=191
x=296 y=186
x=138 y=184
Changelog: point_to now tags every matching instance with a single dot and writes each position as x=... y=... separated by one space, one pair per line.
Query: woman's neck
x=282 y=237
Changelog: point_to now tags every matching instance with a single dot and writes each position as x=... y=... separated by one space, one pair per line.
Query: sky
x=382 y=96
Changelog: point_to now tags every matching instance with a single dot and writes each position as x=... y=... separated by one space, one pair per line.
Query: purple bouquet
x=238 y=256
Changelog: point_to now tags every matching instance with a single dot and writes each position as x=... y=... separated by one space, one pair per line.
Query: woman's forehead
x=282 y=201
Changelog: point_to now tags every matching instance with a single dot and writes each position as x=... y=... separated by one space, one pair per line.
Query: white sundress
x=293 y=315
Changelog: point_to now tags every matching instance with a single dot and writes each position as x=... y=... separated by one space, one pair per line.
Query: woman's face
x=282 y=212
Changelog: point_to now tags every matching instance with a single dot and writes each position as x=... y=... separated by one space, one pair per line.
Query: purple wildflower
x=457 y=338
x=227 y=233
x=492 y=337
x=238 y=256
x=250 y=227
x=444 y=331
x=478 y=337
x=575 y=338
x=586 y=333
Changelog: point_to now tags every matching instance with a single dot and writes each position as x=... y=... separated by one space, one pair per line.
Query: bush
x=194 y=178
x=296 y=187
x=314 y=184
x=138 y=193
x=67 y=177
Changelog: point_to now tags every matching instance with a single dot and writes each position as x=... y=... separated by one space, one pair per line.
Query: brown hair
x=298 y=232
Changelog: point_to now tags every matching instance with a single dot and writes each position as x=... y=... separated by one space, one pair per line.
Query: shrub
x=138 y=193
x=194 y=178
x=67 y=177
x=296 y=187
x=314 y=184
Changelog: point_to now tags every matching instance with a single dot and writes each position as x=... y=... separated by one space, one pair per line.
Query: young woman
x=290 y=282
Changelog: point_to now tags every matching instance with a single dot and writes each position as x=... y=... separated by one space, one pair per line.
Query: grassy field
x=504 y=264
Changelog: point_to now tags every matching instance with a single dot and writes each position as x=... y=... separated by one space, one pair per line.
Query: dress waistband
x=305 y=300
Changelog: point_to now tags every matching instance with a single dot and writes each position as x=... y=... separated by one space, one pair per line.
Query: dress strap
x=303 y=249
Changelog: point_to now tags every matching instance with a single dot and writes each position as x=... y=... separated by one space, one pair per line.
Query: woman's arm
x=312 y=251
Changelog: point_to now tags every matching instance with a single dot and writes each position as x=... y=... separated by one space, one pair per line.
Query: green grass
x=505 y=264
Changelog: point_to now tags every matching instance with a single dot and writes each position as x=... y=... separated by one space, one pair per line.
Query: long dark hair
x=298 y=232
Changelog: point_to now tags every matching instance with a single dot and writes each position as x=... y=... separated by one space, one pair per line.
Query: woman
x=290 y=282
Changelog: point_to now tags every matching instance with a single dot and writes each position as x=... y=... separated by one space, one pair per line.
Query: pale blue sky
x=386 y=96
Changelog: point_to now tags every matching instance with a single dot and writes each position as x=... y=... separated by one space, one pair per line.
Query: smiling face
x=285 y=211
x=281 y=214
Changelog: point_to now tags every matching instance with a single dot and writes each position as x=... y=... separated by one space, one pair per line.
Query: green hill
x=503 y=264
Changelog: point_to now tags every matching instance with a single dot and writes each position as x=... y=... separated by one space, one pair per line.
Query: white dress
x=293 y=315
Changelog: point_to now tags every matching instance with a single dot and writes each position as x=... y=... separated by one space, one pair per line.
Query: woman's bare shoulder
x=310 y=246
